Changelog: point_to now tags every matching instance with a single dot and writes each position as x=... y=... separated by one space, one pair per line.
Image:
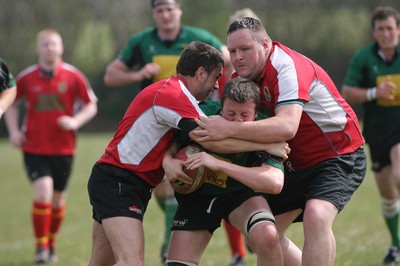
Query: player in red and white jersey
x=327 y=162
x=122 y=181
x=148 y=126
x=51 y=90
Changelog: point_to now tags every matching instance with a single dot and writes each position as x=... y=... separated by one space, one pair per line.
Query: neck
x=168 y=35
x=48 y=65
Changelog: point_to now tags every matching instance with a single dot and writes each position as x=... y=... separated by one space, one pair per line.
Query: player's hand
x=18 y=139
x=67 y=123
x=202 y=159
x=280 y=149
x=213 y=128
x=386 y=90
x=150 y=70
x=174 y=173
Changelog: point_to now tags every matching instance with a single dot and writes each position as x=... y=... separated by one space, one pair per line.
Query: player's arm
x=84 y=115
x=230 y=145
x=11 y=118
x=7 y=97
x=119 y=74
x=281 y=127
x=385 y=90
x=264 y=178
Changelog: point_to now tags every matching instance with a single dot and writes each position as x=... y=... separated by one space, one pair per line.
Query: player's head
x=385 y=24
x=240 y=100
x=49 y=45
x=249 y=46
x=202 y=64
x=167 y=14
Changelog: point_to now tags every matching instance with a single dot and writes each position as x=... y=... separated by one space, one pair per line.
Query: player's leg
x=236 y=244
x=254 y=218
x=319 y=241
x=102 y=253
x=339 y=177
x=164 y=195
x=180 y=251
x=292 y=255
x=61 y=169
x=386 y=170
x=41 y=216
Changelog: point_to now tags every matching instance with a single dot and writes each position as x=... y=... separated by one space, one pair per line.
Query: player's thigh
x=395 y=159
x=163 y=189
x=180 y=249
x=102 y=253
x=126 y=237
x=240 y=216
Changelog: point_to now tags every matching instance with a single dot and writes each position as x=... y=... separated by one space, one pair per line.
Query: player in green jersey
x=373 y=80
x=232 y=193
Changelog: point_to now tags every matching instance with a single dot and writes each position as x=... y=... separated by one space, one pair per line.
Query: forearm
x=85 y=114
x=355 y=94
x=7 y=98
x=11 y=119
x=265 y=179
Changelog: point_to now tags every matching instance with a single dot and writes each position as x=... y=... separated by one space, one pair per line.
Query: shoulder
x=210 y=107
x=27 y=71
x=201 y=35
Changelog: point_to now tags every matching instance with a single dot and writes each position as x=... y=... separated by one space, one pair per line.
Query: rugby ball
x=198 y=175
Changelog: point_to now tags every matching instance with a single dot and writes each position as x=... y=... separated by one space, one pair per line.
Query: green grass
x=360 y=232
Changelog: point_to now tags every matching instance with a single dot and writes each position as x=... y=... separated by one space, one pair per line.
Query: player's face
x=386 y=33
x=50 y=47
x=234 y=111
x=248 y=56
x=167 y=17
x=208 y=82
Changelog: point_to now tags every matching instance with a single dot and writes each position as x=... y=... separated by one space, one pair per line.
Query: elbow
x=277 y=184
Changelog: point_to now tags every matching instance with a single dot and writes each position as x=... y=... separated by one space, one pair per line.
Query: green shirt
x=219 y=183
x=147 y=47
x=7 y=80
x=366 y=70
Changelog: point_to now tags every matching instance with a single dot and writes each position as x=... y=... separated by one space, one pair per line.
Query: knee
x=265 y=239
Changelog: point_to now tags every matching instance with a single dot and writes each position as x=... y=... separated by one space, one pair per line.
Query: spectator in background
x=373 y=80
x=8 y=90
x=50 y=90
x=151 y=55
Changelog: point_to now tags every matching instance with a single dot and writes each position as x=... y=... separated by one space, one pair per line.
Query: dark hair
x=155 y=3
x=198 y=54
x=241 y=90
x=384 y=12
x=255 y=26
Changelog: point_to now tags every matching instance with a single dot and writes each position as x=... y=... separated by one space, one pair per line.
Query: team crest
x=62 y=87
x=267 y=94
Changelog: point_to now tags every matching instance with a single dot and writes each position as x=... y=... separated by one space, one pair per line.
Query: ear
x=201 y=74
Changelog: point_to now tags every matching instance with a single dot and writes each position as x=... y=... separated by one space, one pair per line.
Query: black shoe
x=392 y=257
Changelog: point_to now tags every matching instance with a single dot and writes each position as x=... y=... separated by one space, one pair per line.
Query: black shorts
x=203 y=212
x=380 y=153
x=116 y=192
x=333 y=180
x=58 y=167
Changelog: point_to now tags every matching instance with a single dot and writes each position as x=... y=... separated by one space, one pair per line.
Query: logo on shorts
x=134 y=208
x=179 y=223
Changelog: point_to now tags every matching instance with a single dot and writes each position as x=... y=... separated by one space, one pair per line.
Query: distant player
x=51 y=91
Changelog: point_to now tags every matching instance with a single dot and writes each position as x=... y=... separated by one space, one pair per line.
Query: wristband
x=371 y=94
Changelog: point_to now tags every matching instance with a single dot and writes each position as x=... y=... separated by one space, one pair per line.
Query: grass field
x=360 y=233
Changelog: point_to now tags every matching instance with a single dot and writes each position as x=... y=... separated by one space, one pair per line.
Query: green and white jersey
x=219 y=183
x=367 y=69
x=147 y=47
x=7 y=80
